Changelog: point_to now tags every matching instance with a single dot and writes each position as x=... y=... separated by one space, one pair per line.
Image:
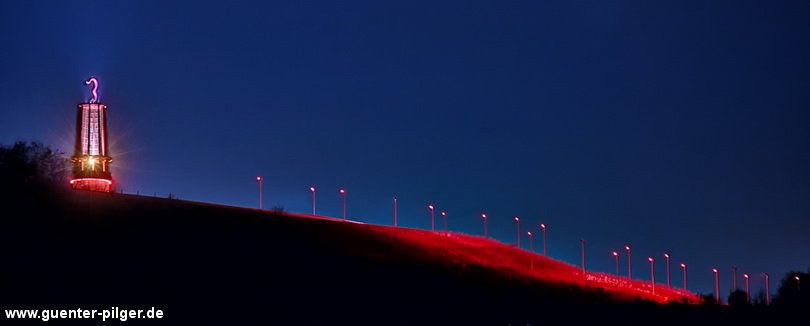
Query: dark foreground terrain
x=210 y=264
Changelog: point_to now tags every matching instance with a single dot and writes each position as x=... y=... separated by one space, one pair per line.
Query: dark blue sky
x=679 y=128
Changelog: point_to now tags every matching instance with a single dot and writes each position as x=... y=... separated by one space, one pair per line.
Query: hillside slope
x=205 y=262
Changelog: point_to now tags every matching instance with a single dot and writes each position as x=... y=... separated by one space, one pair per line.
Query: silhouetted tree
x=707 y=299
x=759 y=299
x=32 y=163
x=738 y=299
x=790 y=292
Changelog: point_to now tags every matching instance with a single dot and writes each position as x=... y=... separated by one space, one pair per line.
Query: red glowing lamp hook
x=93 y=80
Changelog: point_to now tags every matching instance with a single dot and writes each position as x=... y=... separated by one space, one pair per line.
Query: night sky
x=670 y=127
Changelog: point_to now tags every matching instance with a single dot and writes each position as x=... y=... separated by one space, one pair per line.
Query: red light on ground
x=94 y=184
x=109 y=182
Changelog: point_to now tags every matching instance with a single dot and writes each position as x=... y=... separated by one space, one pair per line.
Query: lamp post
x=432 y=218
x=747 y=289
x=312 y=189
x=531 y=249
x=684 y=276
x=734 y=286
x=343 y=192
x=517 y=219
x=669 y=285
x=486 y=234
x=652 y=273
x=767 y=290
x=259 y=179
x=583 y=256
x=444 y=217
x=798 y=284
x=543 y=226
x=395 y=211
x=716 y=285
x=616 y=255
x=629 y=265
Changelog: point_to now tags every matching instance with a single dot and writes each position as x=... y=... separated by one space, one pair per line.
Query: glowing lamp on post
x=91 y=158
x=486 y=234
x=531 y=249
x=747 y=289
x=669 y=285
x=312 y=189
x=629 y=265
x=652 y=273
x=343 y=192
x=684 y=276
x=517 y=219
x=444 y=216
x=716 y=285
x=798 y=283
x=616 y=255
x=543 y=226
x=432 y=218
x=260 y=179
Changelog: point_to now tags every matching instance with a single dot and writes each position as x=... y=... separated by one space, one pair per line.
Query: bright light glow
x=745 y=275
x=627 y=247
x=542 y=225
x=517 y=218
x=683 y=265
x=530 y=233
x=95 y=88
x=430 y=206
x=109 y=182
x=444 y=214
x=714 y=270
x=615 y=253
x=796 y=277
x=650 y=259
x=258 y=178
x=92 y=161
x=342 y=191
x=312 y=189
x=484 y=215
x=666 y=255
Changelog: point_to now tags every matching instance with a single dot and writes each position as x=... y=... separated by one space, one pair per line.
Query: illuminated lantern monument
x=91 y=169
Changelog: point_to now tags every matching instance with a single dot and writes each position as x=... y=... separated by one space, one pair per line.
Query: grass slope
x=218 y=264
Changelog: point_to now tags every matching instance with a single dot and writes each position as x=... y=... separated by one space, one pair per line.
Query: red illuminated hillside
x=205 y=262
x=465 y=250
